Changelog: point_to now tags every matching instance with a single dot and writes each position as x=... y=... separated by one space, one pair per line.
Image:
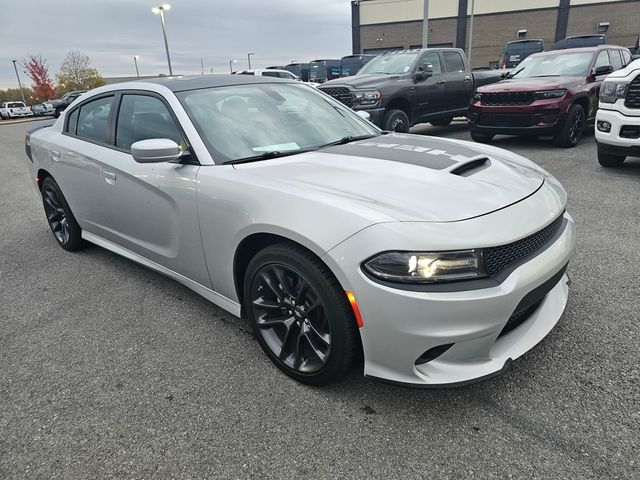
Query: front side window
x=244 y=121
x=453 y=61
x=142 y=117
x=93 y=120
x=602 y=60
x=434 y=59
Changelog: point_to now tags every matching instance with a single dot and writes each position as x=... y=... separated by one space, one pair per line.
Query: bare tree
x=76 y=73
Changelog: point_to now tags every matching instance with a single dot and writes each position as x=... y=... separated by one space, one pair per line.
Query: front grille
x=507 y=98
x=632 y=99
x=506 y=120
x=342 y=94
x=497 y=259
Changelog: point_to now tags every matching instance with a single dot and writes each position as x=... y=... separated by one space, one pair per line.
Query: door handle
x=467 y=78
x=55 y=155
x=109 y=177
x=440 y=82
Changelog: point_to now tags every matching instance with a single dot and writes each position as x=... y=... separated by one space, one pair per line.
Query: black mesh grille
x=497 y=259
x=507 y=98
x=506 y=120
x=519 y=317
x=632 y=99
x=341 y=94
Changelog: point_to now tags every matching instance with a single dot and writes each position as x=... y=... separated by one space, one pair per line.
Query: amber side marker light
x=354 y=306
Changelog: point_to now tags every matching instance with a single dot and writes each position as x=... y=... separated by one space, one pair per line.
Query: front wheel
x=396 y=121
x=482 y=137
x=61 y=221
x=571 y=132
x=300 y=314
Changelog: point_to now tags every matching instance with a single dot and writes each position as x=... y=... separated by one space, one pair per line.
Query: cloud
x=112 y=31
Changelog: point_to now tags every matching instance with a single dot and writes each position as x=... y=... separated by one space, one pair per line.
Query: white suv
x=618 y=118
x=269 y=72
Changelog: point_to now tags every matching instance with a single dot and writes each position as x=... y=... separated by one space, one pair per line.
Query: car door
x=429 y=93
x=602 y=60
x=459 y=86
x=153 y=205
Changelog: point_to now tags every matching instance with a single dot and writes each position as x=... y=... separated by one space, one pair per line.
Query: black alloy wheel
x=300 y=315
x=577 y=126
x=61 y=221
x=291 y=318
x=571 y=132
x=396 y=121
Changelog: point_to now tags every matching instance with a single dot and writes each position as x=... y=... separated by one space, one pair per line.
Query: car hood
x=362 y=81
x=406 y=177
x=531 y=84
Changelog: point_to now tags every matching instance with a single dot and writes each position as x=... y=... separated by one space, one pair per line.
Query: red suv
x=549 y=94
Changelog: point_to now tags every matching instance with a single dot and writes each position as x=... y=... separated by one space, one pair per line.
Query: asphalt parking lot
x=108 y=370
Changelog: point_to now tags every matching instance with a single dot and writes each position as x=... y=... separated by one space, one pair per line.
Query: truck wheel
x=396 y=121
x=607 y=160
x=482 y=137
x=571 y=131
x=441 y=122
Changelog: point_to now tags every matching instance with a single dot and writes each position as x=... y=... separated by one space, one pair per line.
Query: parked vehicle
x=268 y=72
x=277 y=67
x=321 y=71
x=518 y=50
x=439 y=261
x=618 y=119
x=549 y=94
x=42 y=109
x=351 y=64
x=581 y=41
x=14 y=109
x=300 y=70
x=401 y=88
x=67 y=99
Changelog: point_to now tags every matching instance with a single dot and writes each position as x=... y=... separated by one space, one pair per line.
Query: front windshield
x=555 y=65
x=245 y=121
x=390 y=64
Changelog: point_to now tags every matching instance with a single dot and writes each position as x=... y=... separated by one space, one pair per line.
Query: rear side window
x=93 y=120
x=616 y=59
x=72 y=123
x=453 y=61
x=143 y=117
x=270 y=74
x=627 y=57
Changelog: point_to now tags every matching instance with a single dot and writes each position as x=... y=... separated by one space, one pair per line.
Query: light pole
x=19 y=83
x=231 y=62
x=160 y=11
x=425 y=25
x=249 y=59
x=135 y=61
x=470 y=35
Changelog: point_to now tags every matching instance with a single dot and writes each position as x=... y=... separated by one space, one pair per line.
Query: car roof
x=180 y=84
x=596 y=48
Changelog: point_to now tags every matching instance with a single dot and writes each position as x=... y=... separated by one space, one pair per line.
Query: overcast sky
x=112 y=31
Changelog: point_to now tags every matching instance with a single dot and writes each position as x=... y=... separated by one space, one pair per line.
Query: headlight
x=367 y=97
x=549 y=94
x=426 y=267
x=610 y=92
x=477 y=96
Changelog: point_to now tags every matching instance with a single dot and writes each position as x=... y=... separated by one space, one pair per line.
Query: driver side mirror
x=364 y=115
x=423 y=72
x=155 y=150
x=602 y=70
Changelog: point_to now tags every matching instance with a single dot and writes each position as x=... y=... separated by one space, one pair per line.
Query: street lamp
x=160 y=11
x=249 y=59
x=135 y=61
x=231 y=62
x=19 y=83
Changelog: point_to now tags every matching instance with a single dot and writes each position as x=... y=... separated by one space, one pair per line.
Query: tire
x=396 y=121
x=482 y=137
x=610 y=161
x=63 y=224
x=571 y=132
x=309 y=332
x=441 y=122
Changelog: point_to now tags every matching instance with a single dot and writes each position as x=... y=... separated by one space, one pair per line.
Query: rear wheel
x=396 y=121
x=441 y=122
x=63 y=224
x=300 y=314
x=571 y=132
x=482 y=137
x=607 y=160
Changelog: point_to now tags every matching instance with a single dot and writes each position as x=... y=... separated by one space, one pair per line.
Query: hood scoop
x=471 y=166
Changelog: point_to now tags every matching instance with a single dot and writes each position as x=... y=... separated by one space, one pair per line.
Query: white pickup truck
x=14 y=109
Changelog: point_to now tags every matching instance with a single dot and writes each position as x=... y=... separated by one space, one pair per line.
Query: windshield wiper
x=537 y=76
x=347 y=139
x=513 y=74
x=265 y=156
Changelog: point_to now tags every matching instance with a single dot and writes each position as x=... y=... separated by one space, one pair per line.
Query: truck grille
x=506 y=120
x=498 y=258
x=632 y=99
x=507 y=98
x=342 y=94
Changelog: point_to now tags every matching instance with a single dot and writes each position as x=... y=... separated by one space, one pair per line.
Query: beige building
x=379 y=25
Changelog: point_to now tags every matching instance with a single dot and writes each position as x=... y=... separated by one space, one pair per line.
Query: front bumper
x=624 y=135
x=540 y=118
x=401 y=325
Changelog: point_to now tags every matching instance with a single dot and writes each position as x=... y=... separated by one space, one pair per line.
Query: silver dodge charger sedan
x=437 y=261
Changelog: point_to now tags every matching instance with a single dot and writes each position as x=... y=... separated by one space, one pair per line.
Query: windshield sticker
x=406 y=69
x=281 y=147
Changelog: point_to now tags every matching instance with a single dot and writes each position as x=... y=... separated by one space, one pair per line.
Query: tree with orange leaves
x=37 y=70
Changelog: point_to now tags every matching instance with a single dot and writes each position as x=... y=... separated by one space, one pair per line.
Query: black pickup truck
x=402 y=88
